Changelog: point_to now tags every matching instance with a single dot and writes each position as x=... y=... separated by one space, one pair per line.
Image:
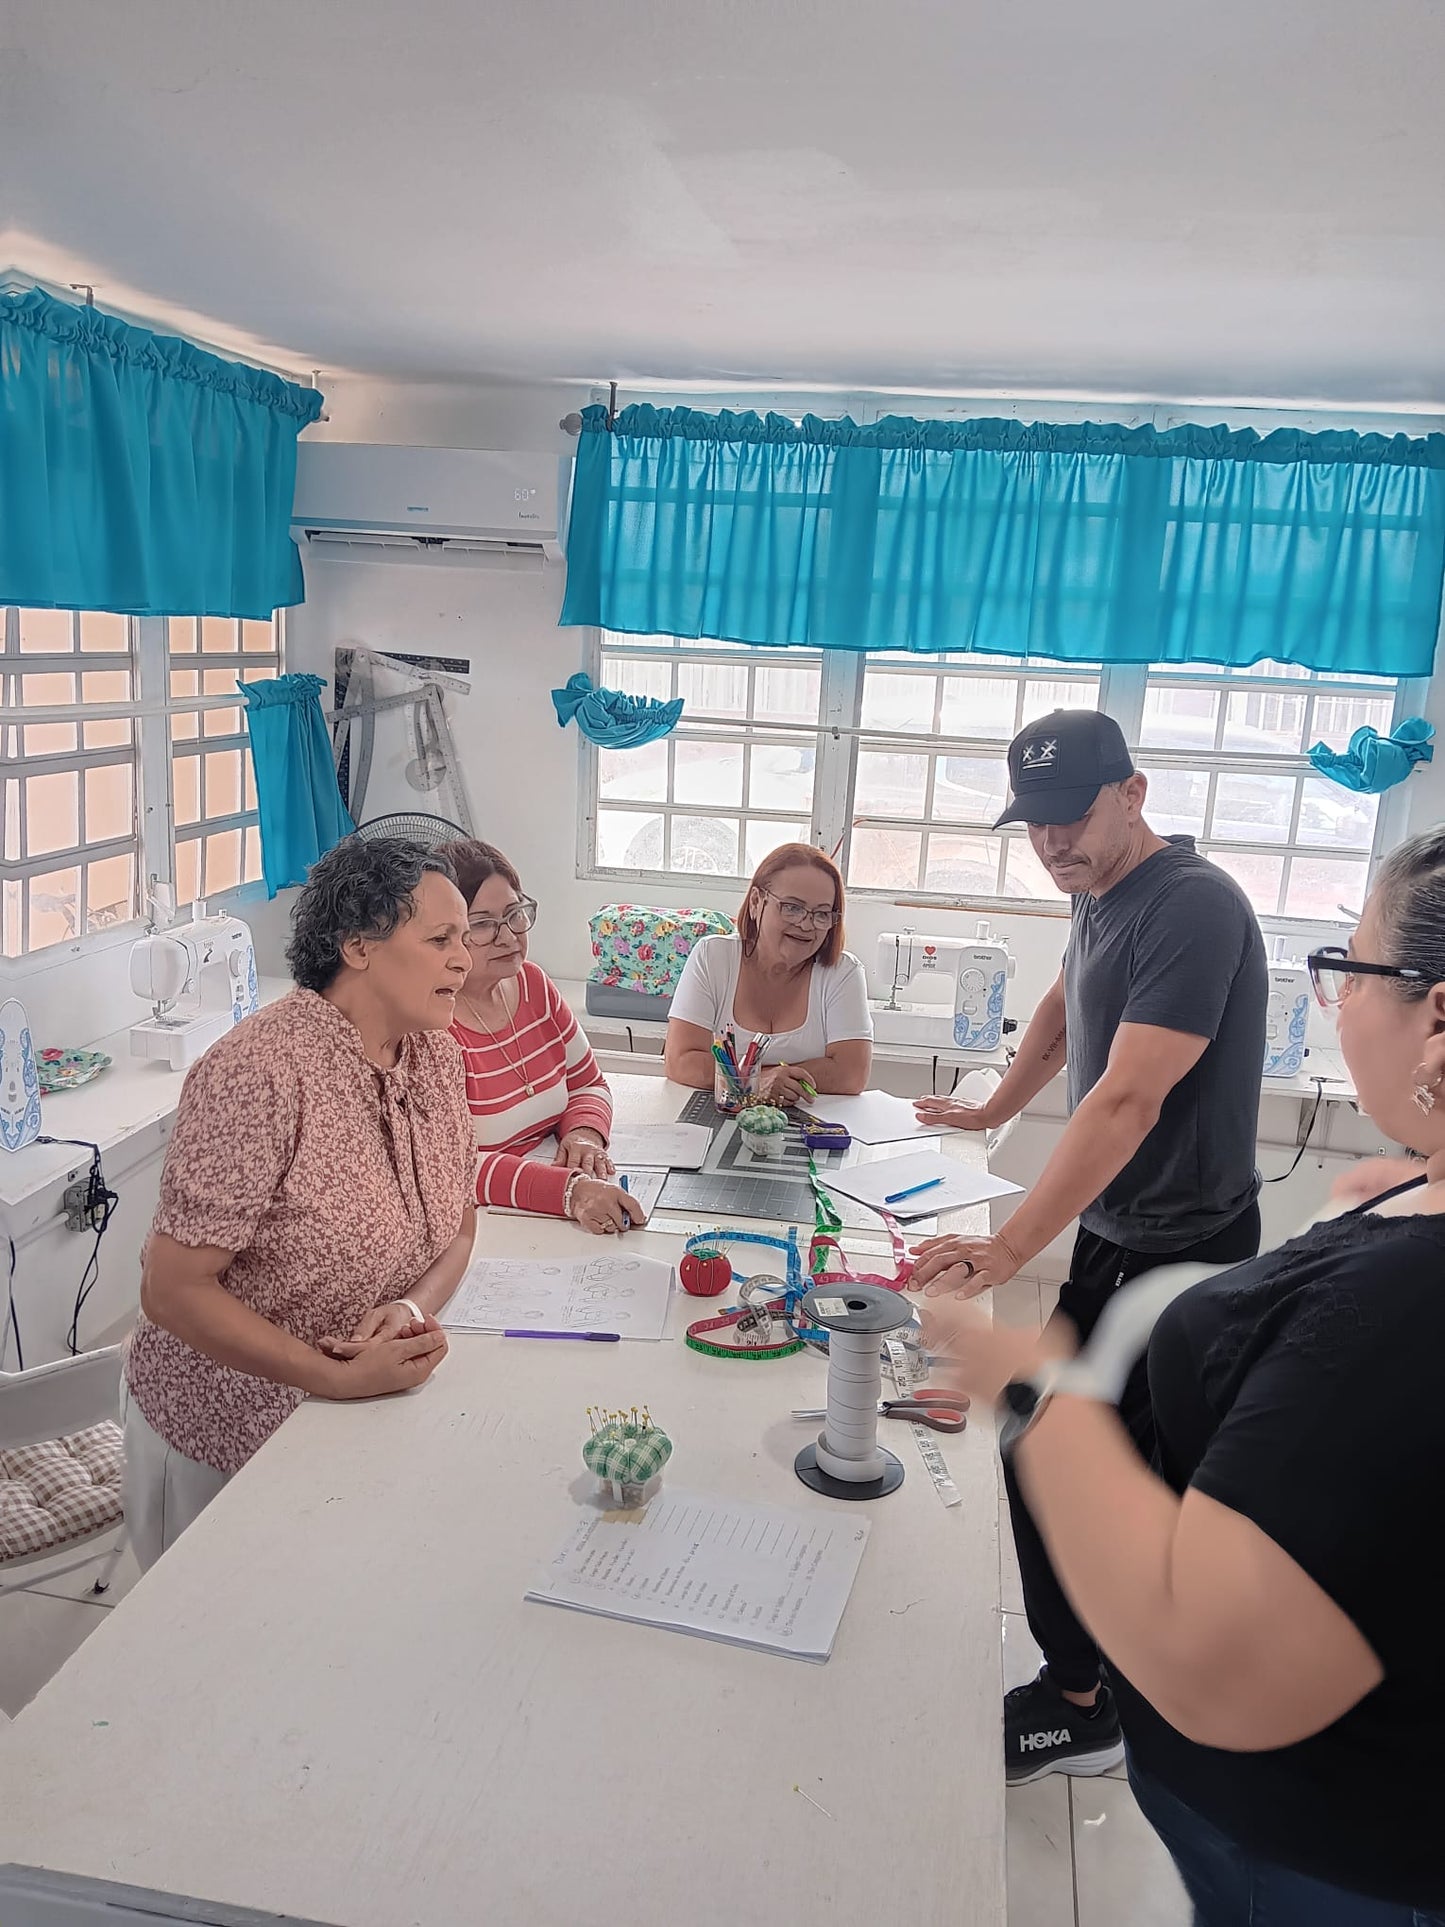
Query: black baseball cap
x=1058 y=765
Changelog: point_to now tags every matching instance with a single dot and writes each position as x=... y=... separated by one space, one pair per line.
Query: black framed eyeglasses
x=791 y=911
x=484 y=930
x=1332 y=968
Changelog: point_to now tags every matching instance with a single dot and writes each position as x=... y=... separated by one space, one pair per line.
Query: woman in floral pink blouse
x=316 y=1206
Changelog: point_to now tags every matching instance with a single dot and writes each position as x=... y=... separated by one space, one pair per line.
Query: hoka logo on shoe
x=1031 y=1742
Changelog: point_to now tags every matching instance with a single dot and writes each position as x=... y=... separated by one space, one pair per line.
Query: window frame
x=839 y=737
x=151 y=711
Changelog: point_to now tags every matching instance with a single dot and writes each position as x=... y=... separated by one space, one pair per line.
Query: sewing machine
x=19 y=1080
x=955 y=990
x=1286 y=1015
x=199 y=979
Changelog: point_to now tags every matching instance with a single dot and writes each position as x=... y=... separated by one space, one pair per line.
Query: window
x=213 y=785
x=68 y=798
x=899 y=762
x=931 y=773
x=720 y=792
x=111 y=729
x=1224 y=752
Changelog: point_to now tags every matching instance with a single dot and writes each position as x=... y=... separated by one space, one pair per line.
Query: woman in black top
x=1270 y=1594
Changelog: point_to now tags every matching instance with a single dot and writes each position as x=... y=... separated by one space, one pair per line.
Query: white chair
x=54 y=1402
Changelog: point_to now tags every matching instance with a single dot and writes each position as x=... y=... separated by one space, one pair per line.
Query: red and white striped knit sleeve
x=521 y=1183
x=589 y=1102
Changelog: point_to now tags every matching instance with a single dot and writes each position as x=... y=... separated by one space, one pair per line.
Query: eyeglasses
x=484 y=930
x=1331 y=970
x=791 y=911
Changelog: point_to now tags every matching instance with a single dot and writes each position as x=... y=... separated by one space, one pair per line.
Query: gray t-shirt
x=1176 y=944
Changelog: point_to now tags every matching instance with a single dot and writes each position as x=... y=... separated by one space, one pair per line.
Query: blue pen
x=622 y=1180
x=913 y=1191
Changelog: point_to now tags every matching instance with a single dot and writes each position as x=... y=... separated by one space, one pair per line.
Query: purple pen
x=593 y=1338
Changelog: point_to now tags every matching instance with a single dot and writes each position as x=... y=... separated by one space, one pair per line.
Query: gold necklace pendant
x=516 y=1063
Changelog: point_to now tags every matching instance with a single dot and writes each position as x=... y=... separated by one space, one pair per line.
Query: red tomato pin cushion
x=705 y=1273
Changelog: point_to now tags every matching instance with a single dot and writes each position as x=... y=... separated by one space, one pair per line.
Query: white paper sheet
x=765 y=1576
x=613 y=1292
x=873 y=1117
x=681 y=1147
x=873 y=1184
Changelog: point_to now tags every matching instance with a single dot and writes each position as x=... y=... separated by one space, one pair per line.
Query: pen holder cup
x=725 y=1094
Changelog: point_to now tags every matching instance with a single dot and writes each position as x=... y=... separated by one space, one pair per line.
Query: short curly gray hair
x=361 y=888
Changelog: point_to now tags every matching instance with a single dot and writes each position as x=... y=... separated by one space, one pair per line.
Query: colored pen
x=590 y=1338
x=913 y=1191
x=622 y=1180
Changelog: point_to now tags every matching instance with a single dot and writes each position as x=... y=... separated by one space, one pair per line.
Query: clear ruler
x=925 y=1437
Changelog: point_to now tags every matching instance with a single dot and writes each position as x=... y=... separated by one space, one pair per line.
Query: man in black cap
x=1159 y=1013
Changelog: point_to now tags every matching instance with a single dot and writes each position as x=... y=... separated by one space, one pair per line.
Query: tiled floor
x=1079 y=1852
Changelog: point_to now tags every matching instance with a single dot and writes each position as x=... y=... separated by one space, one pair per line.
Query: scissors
x=940 y=1411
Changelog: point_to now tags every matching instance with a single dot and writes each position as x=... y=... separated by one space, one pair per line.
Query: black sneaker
x=1045 y=1733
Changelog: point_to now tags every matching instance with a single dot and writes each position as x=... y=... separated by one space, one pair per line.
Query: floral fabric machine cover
x=638 y=954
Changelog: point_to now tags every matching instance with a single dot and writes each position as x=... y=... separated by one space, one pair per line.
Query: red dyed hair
x=783 y=858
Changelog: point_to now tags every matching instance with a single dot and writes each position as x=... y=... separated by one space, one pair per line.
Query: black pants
x=1096 y=1271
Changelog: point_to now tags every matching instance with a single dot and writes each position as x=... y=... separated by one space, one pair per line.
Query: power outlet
x=79 y=1216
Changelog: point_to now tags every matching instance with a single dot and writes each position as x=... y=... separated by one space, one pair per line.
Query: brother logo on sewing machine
x=199 y=979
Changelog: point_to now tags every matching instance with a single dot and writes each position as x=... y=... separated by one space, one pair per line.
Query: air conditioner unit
x=428 y=504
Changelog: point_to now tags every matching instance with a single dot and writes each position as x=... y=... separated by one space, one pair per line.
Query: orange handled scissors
x=940 y=1411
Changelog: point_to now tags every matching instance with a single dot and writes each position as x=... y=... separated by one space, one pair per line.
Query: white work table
x=331 y=1700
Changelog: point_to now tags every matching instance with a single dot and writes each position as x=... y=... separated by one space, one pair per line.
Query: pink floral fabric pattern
x=334 y=1183
x=635 y=948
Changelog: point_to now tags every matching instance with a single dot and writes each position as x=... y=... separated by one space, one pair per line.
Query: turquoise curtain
x=609 y=717
x=302 y=814
x=1374 y=763
x=1085 y=543
x=138 y=473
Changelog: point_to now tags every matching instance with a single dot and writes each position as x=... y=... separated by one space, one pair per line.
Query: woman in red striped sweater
x=531 y=1074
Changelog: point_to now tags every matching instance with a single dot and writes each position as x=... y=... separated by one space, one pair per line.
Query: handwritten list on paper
x=761 y=1576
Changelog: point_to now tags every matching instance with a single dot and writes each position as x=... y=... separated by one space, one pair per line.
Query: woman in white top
x=784 y=975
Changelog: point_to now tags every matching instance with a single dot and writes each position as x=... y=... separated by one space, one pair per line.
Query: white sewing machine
x=199 y=979
x=947 y=992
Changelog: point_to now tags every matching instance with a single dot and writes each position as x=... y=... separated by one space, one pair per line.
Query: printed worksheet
x=616 y=1292
x=750 y=1575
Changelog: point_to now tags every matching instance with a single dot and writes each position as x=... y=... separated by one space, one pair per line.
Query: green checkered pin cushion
x=625 y=1446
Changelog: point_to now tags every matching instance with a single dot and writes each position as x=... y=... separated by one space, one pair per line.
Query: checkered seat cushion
x=59 y=1491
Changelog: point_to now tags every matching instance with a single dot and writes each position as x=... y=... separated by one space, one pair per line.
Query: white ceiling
x=1225 y=198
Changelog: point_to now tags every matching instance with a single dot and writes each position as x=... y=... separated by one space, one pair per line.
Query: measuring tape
x=901 y=1367
x=794 y=1287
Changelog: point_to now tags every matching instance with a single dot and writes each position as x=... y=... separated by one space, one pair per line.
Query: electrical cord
x=13 y=1321
x=1304 y=1144
x=96 y=1211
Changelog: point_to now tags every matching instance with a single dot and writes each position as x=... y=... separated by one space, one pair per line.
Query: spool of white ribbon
x=848 y=1446
x=847 y=1461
